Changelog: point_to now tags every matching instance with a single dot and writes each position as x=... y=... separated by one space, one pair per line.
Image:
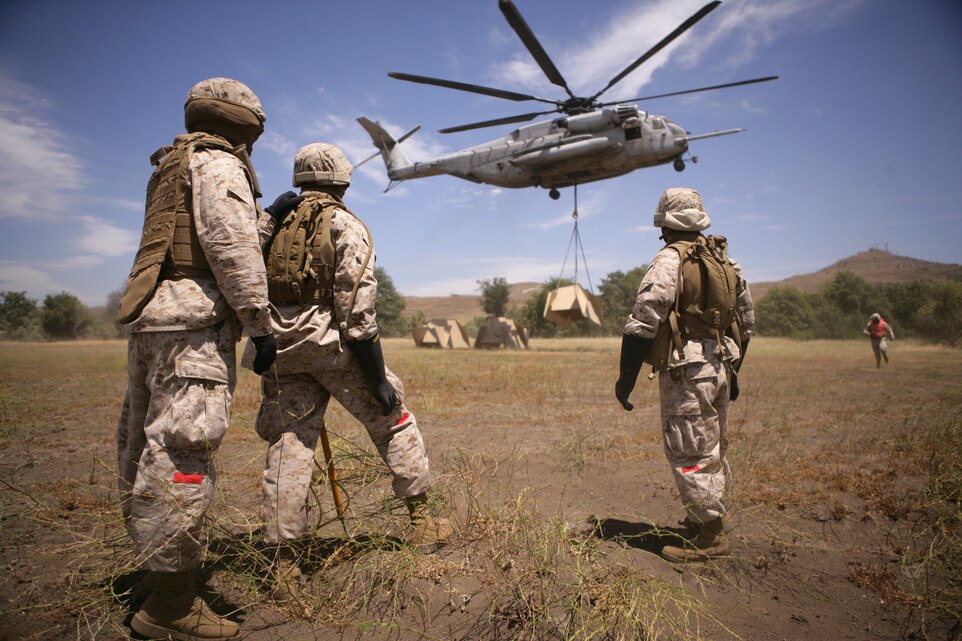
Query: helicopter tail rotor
x=390 y=149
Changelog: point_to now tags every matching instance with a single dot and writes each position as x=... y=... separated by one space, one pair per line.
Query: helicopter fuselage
x=564 y=151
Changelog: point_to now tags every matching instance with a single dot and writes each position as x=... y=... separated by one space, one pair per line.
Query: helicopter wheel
x=554 y=194
x=679 y=164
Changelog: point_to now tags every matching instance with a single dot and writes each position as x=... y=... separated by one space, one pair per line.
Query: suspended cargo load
x=497 y=332
x=442 y=333
x=568 y=304
x=571 y=303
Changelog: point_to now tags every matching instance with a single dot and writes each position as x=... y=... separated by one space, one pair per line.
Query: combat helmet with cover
x=300 y=259
x=705 y=295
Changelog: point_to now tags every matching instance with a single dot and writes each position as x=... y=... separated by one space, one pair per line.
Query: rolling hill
x=463 y=308
x=874 y=265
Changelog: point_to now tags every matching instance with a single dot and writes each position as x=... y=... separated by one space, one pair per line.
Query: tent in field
x=571 y=303
x=445 y=333
x=496 y=332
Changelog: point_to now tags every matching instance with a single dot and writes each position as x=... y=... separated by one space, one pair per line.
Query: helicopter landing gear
x=679 y=164
x=554 y=194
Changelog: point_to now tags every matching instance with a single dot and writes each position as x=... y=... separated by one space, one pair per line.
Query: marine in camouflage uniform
x=329 y=347
x=198 y=279
x=695 y=386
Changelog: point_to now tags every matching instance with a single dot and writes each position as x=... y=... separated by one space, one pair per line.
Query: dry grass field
x=847 y=522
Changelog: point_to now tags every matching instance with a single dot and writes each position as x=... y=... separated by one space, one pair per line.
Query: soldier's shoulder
x=216 y=160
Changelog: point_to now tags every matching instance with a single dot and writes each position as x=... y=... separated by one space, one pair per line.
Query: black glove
x=633 y=352
x=284 y=204
x=266 y=348
x=737 y=365
x=741 y=359
x=371 y=359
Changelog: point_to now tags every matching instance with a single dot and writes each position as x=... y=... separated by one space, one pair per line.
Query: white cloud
x=592 y=59
x=38 y=172
x=100 y=238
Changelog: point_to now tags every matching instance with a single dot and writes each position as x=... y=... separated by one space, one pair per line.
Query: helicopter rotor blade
x=513 y=16
x=463 y=86
x=679 y=93
x=682 y=28
x=497 y=121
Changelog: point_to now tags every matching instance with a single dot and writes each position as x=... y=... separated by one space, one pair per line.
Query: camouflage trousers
x=291 y=418
x=174 y=417
x=694 y=420
x=880 y=347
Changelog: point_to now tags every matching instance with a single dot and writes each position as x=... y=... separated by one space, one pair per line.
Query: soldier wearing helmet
x=323 y=310
x=880 y=332
x=198 y=279
x=692 y=320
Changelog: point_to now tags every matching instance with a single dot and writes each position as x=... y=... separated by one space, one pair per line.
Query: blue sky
x=856 y=145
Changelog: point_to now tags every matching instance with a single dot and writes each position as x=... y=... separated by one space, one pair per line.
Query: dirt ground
x=845 y=522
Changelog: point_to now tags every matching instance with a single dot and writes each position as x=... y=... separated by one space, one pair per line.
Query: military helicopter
x=592 y=141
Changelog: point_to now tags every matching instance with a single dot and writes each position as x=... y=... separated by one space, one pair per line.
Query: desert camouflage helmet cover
x=227 y=90
x=321 y=163
x=681 y=209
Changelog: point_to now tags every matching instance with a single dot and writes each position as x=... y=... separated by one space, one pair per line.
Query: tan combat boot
x=429 y=533
x=710 y=543
x=286 y=575
x=175 y=611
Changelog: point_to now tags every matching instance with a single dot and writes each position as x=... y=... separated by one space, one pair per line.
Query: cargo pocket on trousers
x=201 y=407
x=682 y=434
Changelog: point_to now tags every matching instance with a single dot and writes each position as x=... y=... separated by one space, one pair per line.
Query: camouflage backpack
x=301 y=255
x=705 y=299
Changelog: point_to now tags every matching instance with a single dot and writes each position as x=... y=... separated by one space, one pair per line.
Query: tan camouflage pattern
x=694 y=421
x=227 y=90
x=313 y=364
x=226 y=220
x=321 y=163
x=308 y=338
x=175 y=414
x=291 y=418
x=694 y=390
x=656 y=295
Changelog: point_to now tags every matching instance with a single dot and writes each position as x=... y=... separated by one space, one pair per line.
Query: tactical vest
x=879 y=329
x=169 y=247
x=301 y=256
x=705 y=299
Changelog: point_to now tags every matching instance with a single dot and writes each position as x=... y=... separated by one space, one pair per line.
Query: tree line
x=930 y=310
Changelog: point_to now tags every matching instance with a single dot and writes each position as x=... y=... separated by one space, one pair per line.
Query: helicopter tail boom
x=394 y=157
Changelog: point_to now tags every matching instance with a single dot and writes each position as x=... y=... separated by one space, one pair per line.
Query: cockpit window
x=657 y=123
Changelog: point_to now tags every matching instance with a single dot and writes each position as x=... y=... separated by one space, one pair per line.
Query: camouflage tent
x=443 y=333
x=496 y=332
x=571 y=303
